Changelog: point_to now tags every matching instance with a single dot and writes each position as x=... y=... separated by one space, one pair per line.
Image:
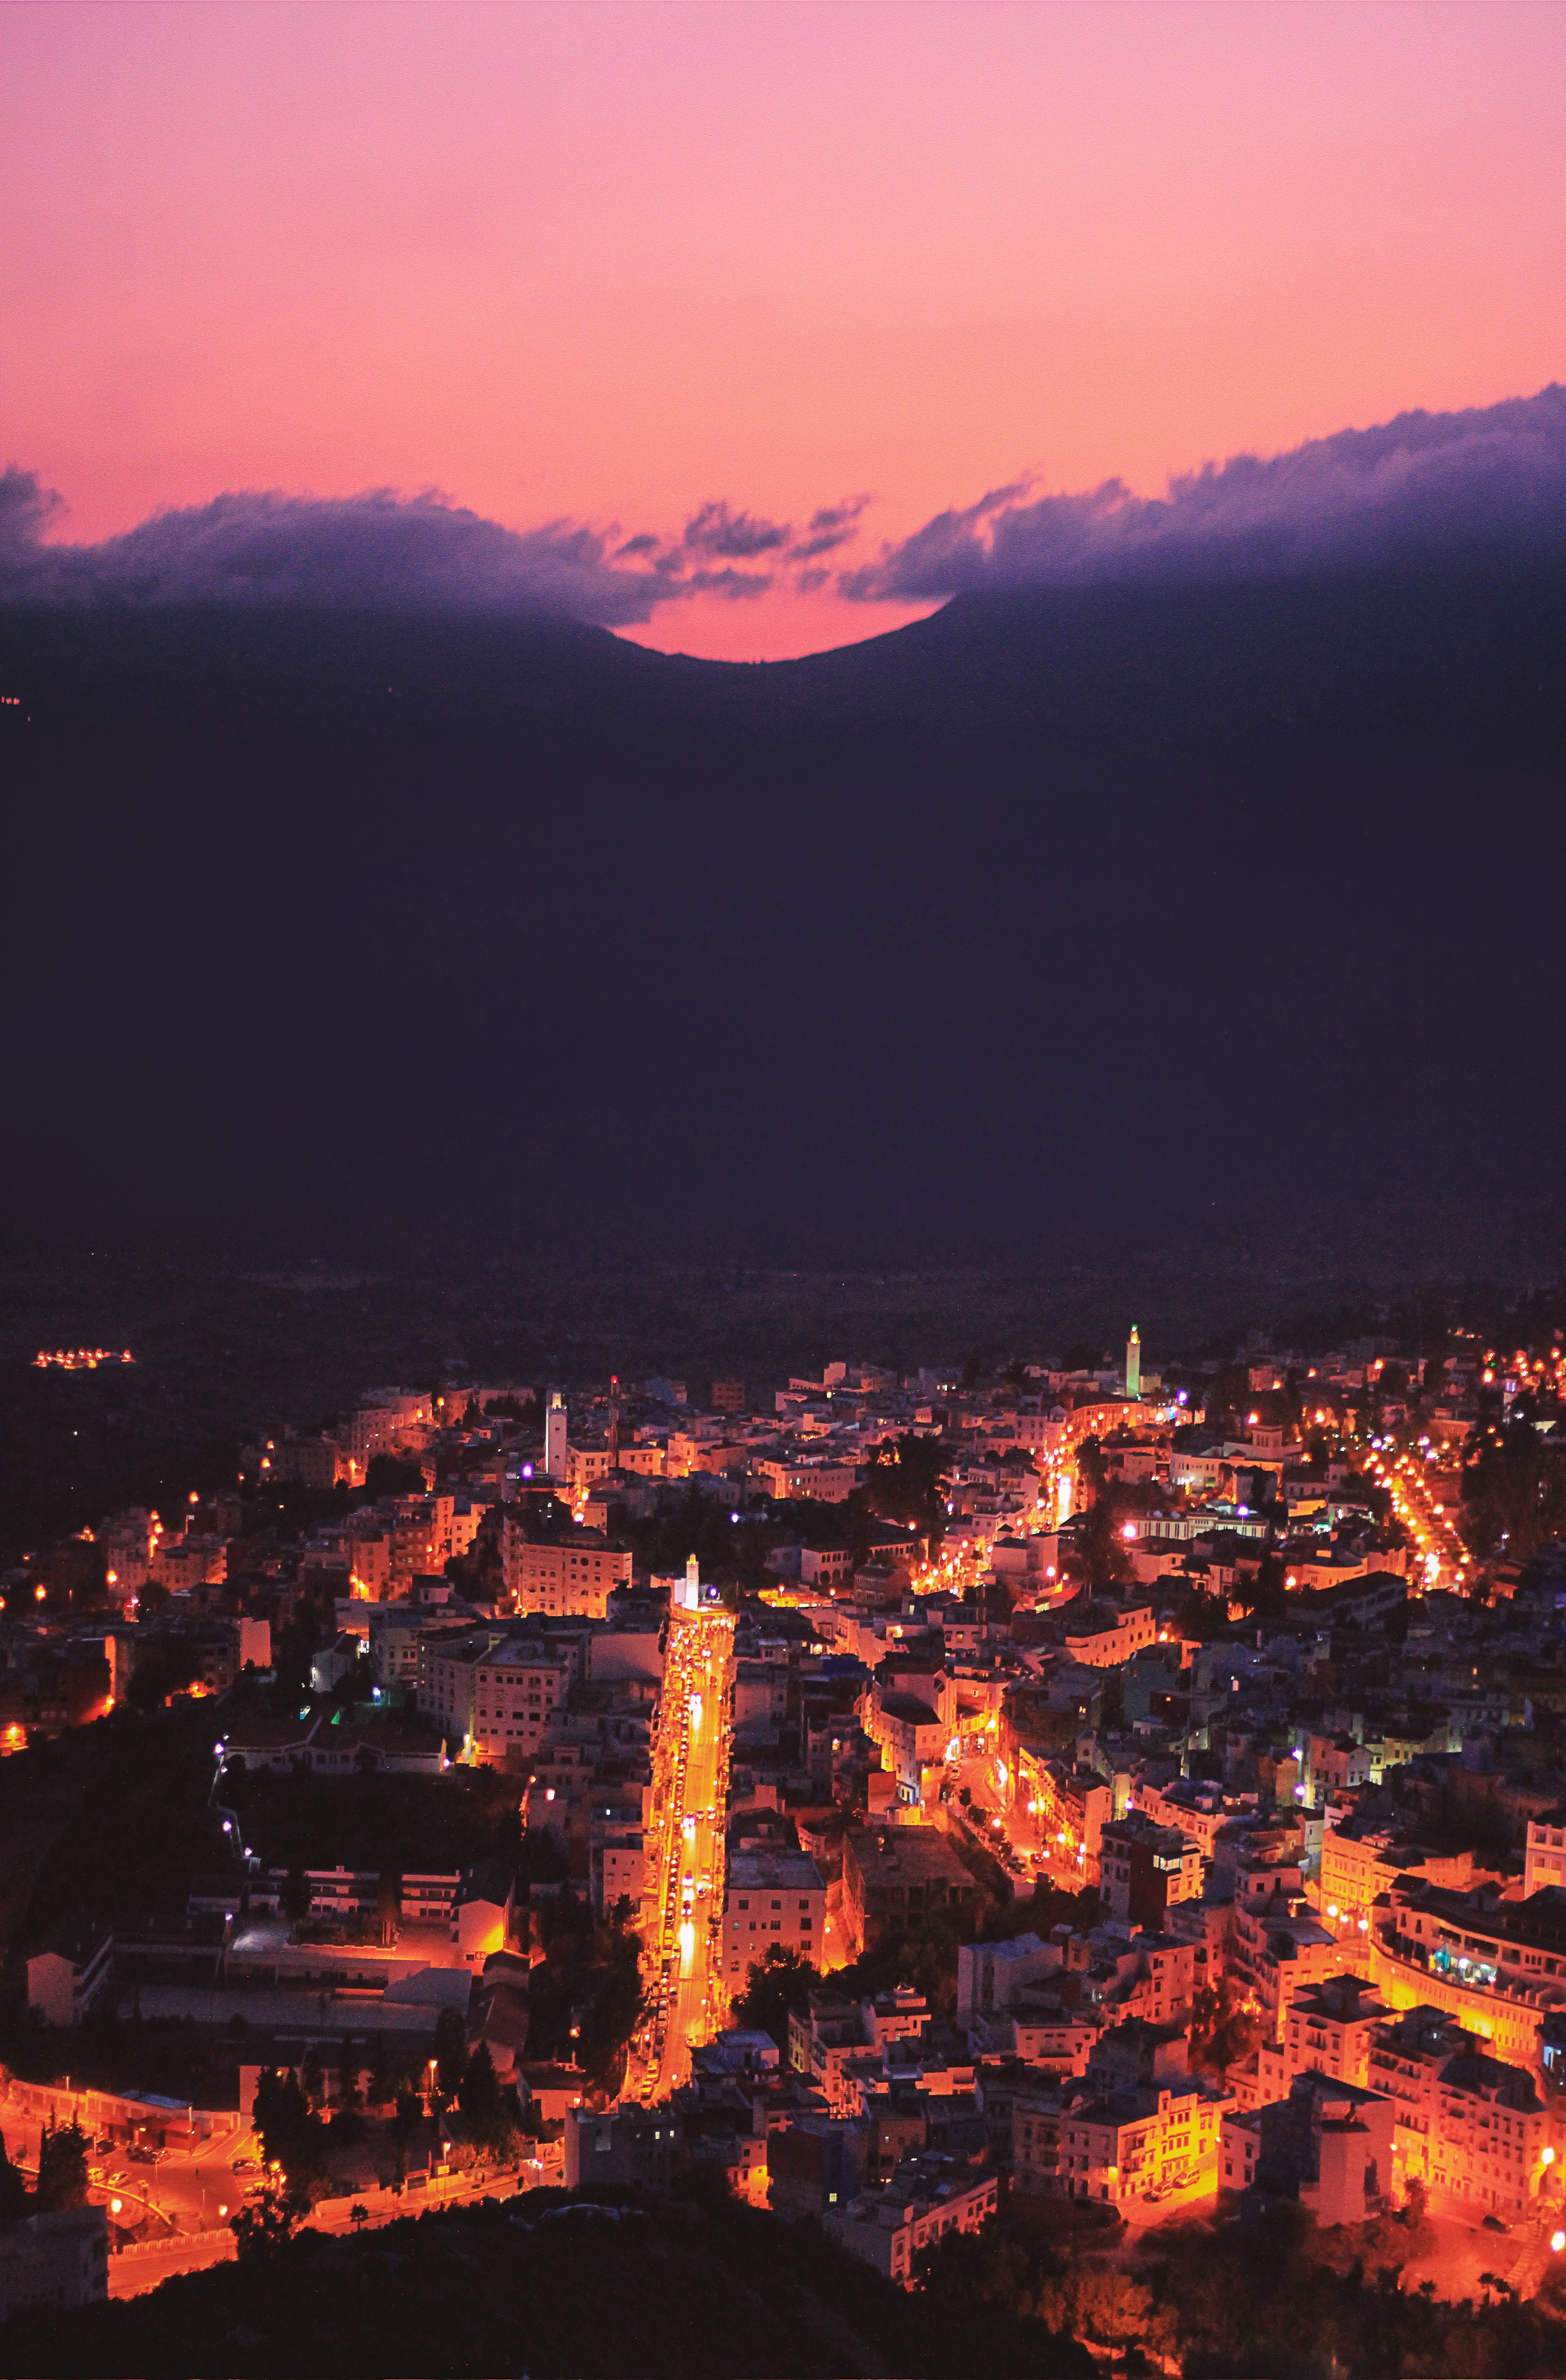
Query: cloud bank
x=1416 y=489
x=1424 y=485
x=385 y=551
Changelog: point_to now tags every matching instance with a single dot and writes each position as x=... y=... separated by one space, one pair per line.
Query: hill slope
x=694 y=2294
x=1049 y=917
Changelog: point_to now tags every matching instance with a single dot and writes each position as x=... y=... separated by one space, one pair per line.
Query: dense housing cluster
x=1077 y=1782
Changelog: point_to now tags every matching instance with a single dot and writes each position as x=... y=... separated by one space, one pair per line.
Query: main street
x=686 y=1855
x=1427 y=1497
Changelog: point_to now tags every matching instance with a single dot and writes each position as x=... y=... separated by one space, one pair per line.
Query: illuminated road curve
x=681 y=1966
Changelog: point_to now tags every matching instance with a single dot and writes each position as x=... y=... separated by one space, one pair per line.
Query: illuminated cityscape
x=782 y=1314
x=934 y=1797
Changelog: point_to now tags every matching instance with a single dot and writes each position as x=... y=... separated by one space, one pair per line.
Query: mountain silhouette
x=1068 y=913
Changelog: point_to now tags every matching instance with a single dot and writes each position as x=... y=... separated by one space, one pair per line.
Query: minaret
x=555 y=1459
x=1134 y=1363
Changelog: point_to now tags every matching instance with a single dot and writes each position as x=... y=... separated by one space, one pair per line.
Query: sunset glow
x=615 y=264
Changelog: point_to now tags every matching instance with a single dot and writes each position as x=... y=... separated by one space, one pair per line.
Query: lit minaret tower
x=557 y=1461
x=1134 y=1363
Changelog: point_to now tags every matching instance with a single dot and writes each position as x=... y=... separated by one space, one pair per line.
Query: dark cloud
x=735 y=537
x=833 y=526
x=1416 y=488
x=377 y=551
x=1420 y=487
x=381 y=550
x=738 y=585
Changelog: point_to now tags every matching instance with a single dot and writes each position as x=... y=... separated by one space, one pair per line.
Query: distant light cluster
x=80 y=1359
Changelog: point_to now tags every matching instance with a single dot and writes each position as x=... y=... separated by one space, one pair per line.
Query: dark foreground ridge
x=1097 y=911
x=694 y=2291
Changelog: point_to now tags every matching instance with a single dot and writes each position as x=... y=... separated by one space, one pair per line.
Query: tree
x=611 y=2017
x=781 y=1984
x=265 y=2223
x=405 y=2123
x=483 y=2108
x=62 y=2170
x=295 y=1895
x=288 y=2131
x=382 y=2087
x=387 y=1475
x=1513 y=1491
x=358 y=2216
x=1224 y=2029
x=161 y=1670
x=13 y=2189
x=1097 y=1550
x=451 y=2057
x=311 y=2080
x=1113 y=2309
x=349 y=2094
x=1091 y=1473
x=906 y=1482
x=356 y=1683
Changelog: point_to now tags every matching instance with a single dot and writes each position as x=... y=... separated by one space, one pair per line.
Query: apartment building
x=910 y=1735
x=570 y=1575
x=1328 y=2030
x=1071 y=1807
x=1468 y=2125
x=493 y=1694
x=1498 y=1966
x=888 y=2227
x=1197 y=1811
x=894 y=1876
x=1545 y=1860
x=389 y=1418
x=1327 y=2143
x=1151 y=2130
x=1277 y=1946
x=772 y=1896
x=1359 y=1864
x=825 y=1483
x=59 y=2259
x=1144 y=1869
x=1107 y=1634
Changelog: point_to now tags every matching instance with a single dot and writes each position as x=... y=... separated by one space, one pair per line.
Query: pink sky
x=613 y=259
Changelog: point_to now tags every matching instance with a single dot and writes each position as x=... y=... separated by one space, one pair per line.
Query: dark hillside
x=695 y=2293
x=1050 y=919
